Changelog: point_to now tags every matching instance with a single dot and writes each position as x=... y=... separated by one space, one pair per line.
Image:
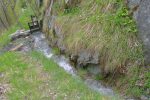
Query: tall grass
x=104 y=26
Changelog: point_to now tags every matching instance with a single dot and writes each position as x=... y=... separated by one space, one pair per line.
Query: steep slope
x=103 y=33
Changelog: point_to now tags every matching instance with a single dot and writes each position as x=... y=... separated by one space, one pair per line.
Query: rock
x=144 y=97
x=133 y=6
x=73 y=58
x=94 y=69
x=95 y=58
x=17 y=47
x=85 y=58
x=143 y=23
x=20 y=44
x=141 y=14
x=133 y=3
x=19 y=34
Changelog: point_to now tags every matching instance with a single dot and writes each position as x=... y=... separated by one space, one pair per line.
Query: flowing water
x=41 y=44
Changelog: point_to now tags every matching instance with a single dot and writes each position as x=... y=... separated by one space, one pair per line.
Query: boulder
x=19 y=34
x=133 y=3
x=73 y=58
x=141 y=14
x=143 y=23
x=85 y=58
x=144 y=98
x=17 y=47
x=134 y=7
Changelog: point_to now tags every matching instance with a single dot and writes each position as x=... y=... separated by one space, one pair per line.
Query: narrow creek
x=37 y=41
x=41 y=44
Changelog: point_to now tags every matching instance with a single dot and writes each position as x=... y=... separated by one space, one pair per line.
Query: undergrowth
x=105 y=26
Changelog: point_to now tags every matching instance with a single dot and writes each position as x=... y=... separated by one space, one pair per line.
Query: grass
x=93 y=26
x=24 y=17
x=4 y=37
x=105 y=26
x=56 y=51
x=139 y=81
x=44 y=80
x=111 y=32
x=72 y=87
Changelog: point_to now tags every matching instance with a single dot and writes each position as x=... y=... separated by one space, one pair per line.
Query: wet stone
x=144 y=98
x=73 y=58
x=94 y=69
x=19 y=34
x=85 y=58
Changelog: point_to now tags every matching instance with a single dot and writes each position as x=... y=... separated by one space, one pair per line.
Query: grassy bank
x=105 y=27
x=23 y=78
x=44 y=80
x=102 y=26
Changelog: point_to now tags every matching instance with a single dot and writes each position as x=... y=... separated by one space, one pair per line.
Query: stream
x=38 y=42
x=41 y=44
x=25 y=42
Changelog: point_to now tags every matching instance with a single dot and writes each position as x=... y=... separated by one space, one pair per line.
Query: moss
x=56 y=51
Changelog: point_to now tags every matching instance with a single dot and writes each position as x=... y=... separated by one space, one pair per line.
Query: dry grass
x=97 y=26
x=104 y=26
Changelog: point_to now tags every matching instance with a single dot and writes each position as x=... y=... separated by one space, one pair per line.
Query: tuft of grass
x=82 y=73
x=99 y=77
x=4 y=37
x=139 y=83
x=56 y=51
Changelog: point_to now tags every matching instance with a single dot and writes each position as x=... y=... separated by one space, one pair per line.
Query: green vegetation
x=5 y=35
x=138 y=81
x=56 y=51
x=28 y=79
x=24 y=17
x=102 y=26
x=105 y=26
